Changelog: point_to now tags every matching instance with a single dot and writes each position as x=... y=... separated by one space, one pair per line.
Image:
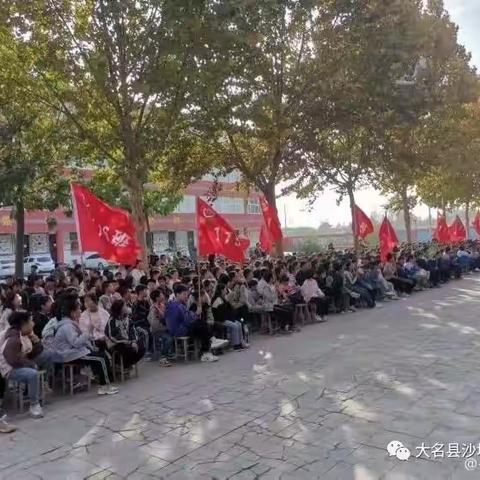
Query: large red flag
x=362 y=225
x=265 y=239
x=272 y=222
x=388 y=239
x=442 y=232
x=476 y=223
x=103 y=229
x=215 y=235
x=457 y=230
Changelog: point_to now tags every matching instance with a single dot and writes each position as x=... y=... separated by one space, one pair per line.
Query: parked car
x=44 y=264
x=95 y=261
x=7 y=267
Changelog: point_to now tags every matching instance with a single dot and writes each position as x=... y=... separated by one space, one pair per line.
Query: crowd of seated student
x=85 y=318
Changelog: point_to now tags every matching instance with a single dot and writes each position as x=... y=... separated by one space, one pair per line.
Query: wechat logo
x=397 y=449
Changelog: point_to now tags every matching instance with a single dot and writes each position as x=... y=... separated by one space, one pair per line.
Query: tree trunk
x=138 y=214
x=430 y=228
x=269 y=193
x=351 y=197
x=467 y=219
x=149 y=240
x=406 y=214
x=19 y=239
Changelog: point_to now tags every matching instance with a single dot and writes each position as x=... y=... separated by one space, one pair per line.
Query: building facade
x=55 y=233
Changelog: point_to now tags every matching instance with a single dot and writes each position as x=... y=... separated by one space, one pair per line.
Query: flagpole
x=199 y=304
x=79 y=236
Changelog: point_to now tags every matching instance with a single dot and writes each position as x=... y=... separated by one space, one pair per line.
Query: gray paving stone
x=322 y=403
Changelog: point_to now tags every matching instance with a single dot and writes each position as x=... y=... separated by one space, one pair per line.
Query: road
x=322 y=403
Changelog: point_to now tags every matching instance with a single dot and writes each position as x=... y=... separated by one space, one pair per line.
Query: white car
x=7 y=267
x=94 y=261
x=44 y=264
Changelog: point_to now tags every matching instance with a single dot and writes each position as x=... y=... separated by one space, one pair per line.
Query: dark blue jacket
x=178 y=318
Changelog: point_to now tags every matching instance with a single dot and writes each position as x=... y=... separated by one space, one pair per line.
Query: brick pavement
x=322 y=403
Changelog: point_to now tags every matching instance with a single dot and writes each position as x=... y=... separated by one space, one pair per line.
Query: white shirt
x=310 y=289
x=93 y=323
x=137 y=275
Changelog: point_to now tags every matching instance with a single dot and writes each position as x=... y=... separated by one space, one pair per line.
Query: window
x=93 y=257
x=229 y=205
x=231 y=177
x=253 y=206
x=71 y=242
x=187 y=205
x=44 y=259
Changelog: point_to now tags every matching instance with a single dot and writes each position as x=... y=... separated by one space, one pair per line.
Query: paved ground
x=323 y=403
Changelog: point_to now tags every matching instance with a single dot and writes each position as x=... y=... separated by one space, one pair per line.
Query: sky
x=466 y=14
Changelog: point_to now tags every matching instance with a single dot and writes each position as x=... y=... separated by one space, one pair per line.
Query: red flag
x=388 y=239
x=244 y=242
x=272 y=222
x=215 y=235
x=442 y=232
x=457 y=230
x=363 y=226
x=476 y=223
x=265 y=239
x=103 y=229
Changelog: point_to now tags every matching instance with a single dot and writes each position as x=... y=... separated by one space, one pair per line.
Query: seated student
x=283 y=308
x=336 y=282
x=266 y=289
x=161 y=338
x=122 y=334
x=391 y=273
x=138 y=273
x=41 y=306
x=17 y=357
x=74 y=346
x=450 y=265
x=419 y=275
x=141 y=308
x=366 y=295
x=12 y=303
x=93 y=321
x=385 y=288
x=223 y=313
x=431 y=266
x=312 y=294
x=237 y=296
x=182 y=322
x=106 y=298
x=216 y=329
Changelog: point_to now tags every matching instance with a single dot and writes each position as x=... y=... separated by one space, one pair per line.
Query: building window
x=253 y=206
x=231 y=177
x=187 y=205
x=229 y=205
x=73 y=242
